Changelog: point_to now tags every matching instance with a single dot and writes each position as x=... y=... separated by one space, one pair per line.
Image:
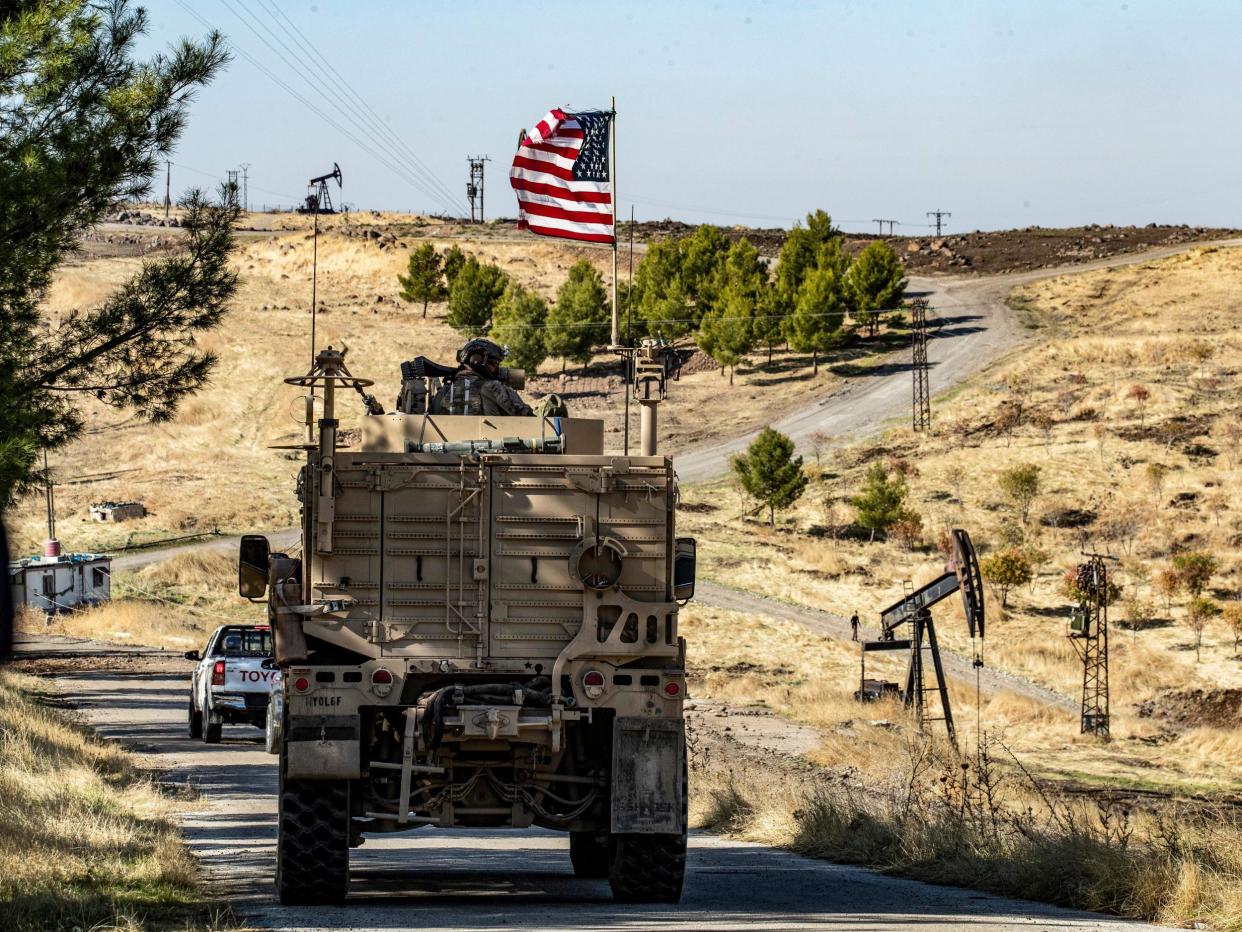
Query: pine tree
x=86 y=126
x=519 y=327
x=669 y=315
x=799 y=255
x=423 y=280
x=881 y=503
x=476 y=289
x=875 y=283
x=770 y=473
x=661 y=306
x=740 y=294
x=725 y=334
x=702 y=255
x=578 y=322
x=815 y=324
x=454 y=259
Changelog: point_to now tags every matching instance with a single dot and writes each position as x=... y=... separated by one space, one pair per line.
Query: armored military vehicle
x=480 y=630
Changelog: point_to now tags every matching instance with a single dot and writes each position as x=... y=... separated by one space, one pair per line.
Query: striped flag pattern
x=560 y=175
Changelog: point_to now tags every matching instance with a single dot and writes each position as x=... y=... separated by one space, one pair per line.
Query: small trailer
x=54 y=582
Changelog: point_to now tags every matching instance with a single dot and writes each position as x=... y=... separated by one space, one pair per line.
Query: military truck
x=480 y=630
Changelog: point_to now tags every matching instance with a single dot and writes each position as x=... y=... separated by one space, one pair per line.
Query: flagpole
x=612 y=139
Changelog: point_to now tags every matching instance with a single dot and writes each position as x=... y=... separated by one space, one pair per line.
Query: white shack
x=54 y=582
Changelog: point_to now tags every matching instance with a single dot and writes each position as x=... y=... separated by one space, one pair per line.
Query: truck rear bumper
x=250 y=708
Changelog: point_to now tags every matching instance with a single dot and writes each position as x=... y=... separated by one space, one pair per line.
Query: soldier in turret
x=478 y=386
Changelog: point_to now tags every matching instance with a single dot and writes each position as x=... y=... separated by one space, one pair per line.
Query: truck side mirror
x=192 y=655
x=683 y=569
x=252 y=566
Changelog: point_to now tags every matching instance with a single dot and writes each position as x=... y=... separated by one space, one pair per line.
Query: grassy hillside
x=1066 y=405
x=213 y=466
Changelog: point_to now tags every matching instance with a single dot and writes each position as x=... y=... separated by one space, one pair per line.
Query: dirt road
x=971 y=328
x=441 y=880
x=956 y=666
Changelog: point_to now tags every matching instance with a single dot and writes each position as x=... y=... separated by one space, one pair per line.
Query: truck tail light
x=593 y=683
x=672 y=690
x=301 y=684
x=381 y=682
x=217 y=673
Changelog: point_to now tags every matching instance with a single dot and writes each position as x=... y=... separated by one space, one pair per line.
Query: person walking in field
x=854 y=627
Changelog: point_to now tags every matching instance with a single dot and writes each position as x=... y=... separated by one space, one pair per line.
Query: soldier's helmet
x=483 y=356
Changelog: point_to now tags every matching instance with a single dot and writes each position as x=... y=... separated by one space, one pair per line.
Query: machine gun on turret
x=962 y=576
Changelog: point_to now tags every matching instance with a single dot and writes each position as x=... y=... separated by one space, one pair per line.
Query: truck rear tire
x=647 y=868
x=212 y=731
x=588 y=852
x=196 y=721
x=312 y=842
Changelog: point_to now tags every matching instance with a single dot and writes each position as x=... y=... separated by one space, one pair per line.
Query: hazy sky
x=1004 y=113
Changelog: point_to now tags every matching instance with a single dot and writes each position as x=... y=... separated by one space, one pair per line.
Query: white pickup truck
x=232 y=681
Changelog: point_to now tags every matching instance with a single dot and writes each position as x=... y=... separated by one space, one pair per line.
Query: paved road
x=440 y=880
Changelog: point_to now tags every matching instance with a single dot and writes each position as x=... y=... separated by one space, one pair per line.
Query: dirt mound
x=699 y=361
x=1195 y=708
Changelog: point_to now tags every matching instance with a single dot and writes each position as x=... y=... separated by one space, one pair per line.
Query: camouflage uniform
x=469 y=393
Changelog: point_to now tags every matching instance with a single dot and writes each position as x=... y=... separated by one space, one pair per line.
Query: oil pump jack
x=318 y=199
x=962 y=575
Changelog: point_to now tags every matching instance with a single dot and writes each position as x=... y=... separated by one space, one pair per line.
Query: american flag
x=560 y=176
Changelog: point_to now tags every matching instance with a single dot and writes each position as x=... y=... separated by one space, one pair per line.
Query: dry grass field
x=1168 y=326
x=1066 y=403
x=213 y=466
x=886 y=797
x=87 y=841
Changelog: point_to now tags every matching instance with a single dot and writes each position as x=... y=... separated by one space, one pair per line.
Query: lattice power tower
x=1088 y=630
x=474 y=187
x=922 y=385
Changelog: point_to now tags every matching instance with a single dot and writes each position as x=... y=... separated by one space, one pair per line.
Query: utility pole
x=167 y=187
x=245 y=167
x=1088 y=631
x=474 y=187
x=881 y=225
x=922 y=387
x=939 y=215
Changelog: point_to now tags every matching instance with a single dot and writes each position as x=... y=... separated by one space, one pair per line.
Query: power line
x=216 y=176
x=306 y=43
x=339 y=104
x=306 y=103
x=426 y=180
x=707 y=210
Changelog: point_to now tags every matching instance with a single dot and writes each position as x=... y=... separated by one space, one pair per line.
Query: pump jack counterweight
x=915 y=608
